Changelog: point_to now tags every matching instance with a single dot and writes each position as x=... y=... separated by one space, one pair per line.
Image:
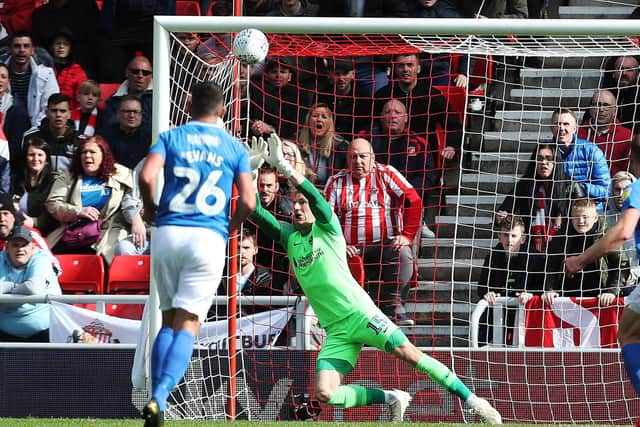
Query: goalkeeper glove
x=275 y=157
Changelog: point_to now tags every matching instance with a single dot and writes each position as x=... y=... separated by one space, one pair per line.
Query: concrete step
x=536 y=98
x=560 y=78
x=506 y=163
x=525 y=120
x=441 y=269
x=595 y=12
x=513 y=141
x=490 y=183
x=600 y=3
x=444 y=248
x=469 y=231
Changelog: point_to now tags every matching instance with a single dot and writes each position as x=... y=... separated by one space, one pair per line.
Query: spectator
x=426 y=105
x=270 y=254
x=16 y=15
x=138 y=242
x=128 y=140
x=367 y=199
x=25 y=270
x=31 y=83
x=90 y=192
x=395 y=144
x=509 y=271
x=14 y=120
x=502 y=9
x=59 y=131
x=619 y=183
x=5 y=167
x=324 y=151
x=253 y=280
x=139 y=83
x=346 y=98
x=81 y=18
x=88 y=116
x=583 y=161
x=438 y=67
x=276 y=103
x=292 y=154
x=540 y=198
x=621 y=77
x=602 y=128
x=190 y=40
x=602 y=278
x=68 y=72
x=35 y=184
x=128 y=28
x=295 y=8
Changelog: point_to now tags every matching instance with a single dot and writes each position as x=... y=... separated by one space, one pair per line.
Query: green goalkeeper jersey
x=319 y=259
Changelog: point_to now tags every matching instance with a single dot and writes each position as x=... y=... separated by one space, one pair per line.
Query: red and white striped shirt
x=372 y=209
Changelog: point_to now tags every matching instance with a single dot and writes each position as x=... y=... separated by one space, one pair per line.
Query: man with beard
x=621 y=77
x=59 y=131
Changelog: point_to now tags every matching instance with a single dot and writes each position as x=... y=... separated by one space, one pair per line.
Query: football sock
x=443 y=376
x=631 y=357
x=352 y=396
x=175 y=365
x=160 y=348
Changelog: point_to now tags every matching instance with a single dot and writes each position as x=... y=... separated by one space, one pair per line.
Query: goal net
x=465 y=149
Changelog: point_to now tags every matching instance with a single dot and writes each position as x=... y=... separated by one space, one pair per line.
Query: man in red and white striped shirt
x=380 y=213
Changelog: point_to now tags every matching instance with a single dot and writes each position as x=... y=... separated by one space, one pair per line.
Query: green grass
x=69 y=422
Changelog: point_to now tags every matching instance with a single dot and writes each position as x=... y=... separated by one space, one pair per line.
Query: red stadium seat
x=187 y=8
x=130 y=275
x=81 y=274
x=99 y=4
x=106 y=90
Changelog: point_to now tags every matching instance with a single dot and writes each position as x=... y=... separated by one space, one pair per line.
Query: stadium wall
x=96 y=383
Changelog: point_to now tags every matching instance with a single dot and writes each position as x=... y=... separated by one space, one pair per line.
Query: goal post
x=503 y=115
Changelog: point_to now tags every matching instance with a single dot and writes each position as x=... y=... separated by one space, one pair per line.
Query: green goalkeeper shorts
x=346 y=338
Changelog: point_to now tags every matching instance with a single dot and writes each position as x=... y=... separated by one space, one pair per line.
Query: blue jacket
x=586 y=164
x=36 y=278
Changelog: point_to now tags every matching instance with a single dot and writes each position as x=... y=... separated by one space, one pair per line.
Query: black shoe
x=152 y=415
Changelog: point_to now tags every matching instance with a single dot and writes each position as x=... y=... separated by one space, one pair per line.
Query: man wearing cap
x=342 y=97
x=276 y=103
x=9 y=219
x=25 y=270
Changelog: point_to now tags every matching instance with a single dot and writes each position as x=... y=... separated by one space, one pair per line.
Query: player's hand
x=549 y=297
x=606 y=299
x=524 y=297
x=275 y=156
x=397 y=242
x=572 y=265
x=491 y=297
x=257 y=152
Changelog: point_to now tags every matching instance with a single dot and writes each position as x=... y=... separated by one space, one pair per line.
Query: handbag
x=86 y=234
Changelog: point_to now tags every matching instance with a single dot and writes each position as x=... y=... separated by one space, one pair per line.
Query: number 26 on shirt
x=203 y=191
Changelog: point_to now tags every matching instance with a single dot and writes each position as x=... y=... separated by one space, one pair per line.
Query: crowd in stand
x=364 y=129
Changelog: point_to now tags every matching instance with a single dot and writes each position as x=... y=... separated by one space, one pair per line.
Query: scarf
x=90 y=127
x=6 y=102
x=541 y=230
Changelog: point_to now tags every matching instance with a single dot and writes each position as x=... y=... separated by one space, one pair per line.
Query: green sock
x=352 y=396
x=443 y=376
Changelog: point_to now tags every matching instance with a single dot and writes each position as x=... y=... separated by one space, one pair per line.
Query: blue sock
x=631 y=357
x=160 y=348
x=176 y=362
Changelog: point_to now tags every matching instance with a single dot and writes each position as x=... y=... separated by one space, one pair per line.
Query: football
x=250 y=46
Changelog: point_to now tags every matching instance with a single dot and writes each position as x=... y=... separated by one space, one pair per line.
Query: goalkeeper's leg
x=629 y=337
x=447 y=379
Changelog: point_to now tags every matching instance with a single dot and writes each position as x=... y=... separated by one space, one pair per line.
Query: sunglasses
x=138 y=71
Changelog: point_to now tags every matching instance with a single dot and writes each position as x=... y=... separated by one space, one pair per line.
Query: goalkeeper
x=317 y=252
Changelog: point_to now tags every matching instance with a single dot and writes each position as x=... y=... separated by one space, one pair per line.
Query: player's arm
x=611 y=241
x=246 y=202
x=148 y=175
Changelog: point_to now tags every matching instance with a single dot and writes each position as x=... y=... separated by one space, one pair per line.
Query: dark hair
x=206 y=99
x=18 y=34
x=108 y=165
x=37 y=142
x=58 y=98
x=130 y=97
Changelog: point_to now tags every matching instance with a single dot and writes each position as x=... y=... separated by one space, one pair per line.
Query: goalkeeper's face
x=303 y=218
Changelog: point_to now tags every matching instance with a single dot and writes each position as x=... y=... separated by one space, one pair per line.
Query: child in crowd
x=602 y=278
x=87 y=116
x=509 y=271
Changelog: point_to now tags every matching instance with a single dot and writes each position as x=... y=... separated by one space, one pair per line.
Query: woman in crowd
x=69 y=74
x=324 y=151
x=540 y=197
x=34 y=185
x=89 y=197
